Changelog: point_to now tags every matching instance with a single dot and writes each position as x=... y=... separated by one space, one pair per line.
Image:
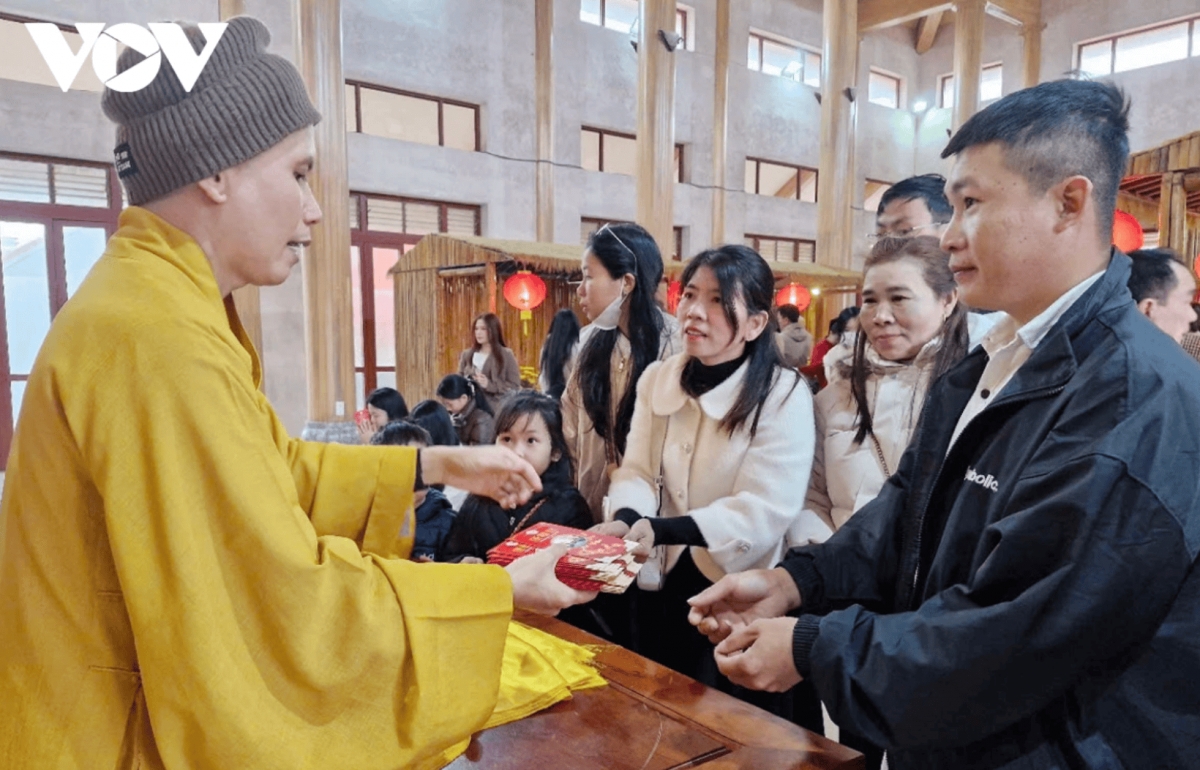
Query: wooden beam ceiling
x=876 y=14
x=927 y=29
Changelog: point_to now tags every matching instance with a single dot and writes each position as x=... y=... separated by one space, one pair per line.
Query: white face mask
x=611 y=315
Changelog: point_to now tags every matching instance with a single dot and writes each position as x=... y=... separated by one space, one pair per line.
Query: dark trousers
x=663 y=634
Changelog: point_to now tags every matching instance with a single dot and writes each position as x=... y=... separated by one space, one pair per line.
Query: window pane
x=351 y=111
x=23 y=180
x=421 y=218
x=399 y=117
x=18 y=395
x=678 y=163
x=948 y=91
x=991 y=84
x=354 y=223
x=812 y=69
x=360 y=391
x=385 y=310
x=80 y=186
x=458 y=125
x=1095 y=59
x=681 y=25
x=82 y=246
x=385 y=379
x=883 y=90
x=385 y=216
x=356 y=304
x=461 y=221
x=620 y=155
x=26 y=291
x=620 y=14
x=21 y=60
x=777 y=57
x=589 y=11
x=806 y=251
x=752 y=60
x=590 y=149
x=780 y=181
x=751 y=176
x=1154 y=46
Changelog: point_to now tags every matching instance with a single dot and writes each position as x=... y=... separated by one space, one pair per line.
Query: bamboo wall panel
x=460 y=299
x=417 y=367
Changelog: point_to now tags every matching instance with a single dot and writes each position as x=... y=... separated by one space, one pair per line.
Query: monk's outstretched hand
x=535 y=587
x=491 y=471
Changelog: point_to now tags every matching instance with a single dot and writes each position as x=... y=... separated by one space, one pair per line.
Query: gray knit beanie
x=245 y=102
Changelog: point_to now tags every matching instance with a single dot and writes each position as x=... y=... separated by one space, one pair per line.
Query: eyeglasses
x=905 y=233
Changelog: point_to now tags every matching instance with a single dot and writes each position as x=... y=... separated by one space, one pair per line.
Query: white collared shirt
x=1009 y=347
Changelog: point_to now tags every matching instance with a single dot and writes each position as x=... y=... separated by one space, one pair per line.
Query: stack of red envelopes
x=594 y=563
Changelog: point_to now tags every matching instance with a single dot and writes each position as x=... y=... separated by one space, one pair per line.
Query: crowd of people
x=975 y=545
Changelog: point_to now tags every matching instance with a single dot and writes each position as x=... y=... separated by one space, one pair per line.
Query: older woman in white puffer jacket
x=912 y=329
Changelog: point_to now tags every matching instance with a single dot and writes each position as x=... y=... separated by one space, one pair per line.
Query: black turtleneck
x=698 y=378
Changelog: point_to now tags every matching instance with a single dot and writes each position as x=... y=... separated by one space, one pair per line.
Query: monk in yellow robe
x=182 y=584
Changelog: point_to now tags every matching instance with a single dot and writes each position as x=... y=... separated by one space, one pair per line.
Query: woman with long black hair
x=489 y=364
x=555 y=360
x=720 y=446
x=621 y=268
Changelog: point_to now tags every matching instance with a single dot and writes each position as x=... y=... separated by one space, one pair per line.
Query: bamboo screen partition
x=1162 y=189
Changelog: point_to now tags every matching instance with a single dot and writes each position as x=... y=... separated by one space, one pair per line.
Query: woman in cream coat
x=720 y=445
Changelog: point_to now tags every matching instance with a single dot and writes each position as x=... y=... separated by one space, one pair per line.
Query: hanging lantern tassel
x=525 y=291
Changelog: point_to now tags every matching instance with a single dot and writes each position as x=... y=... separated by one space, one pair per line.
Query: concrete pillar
x=839 y=119
x=656 y=124
x=720 y=122
x=969 y=16
x=544 y=69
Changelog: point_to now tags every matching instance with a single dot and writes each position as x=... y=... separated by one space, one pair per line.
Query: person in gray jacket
x=794 y=339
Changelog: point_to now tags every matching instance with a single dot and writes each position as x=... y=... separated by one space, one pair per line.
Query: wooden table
x=649 y=718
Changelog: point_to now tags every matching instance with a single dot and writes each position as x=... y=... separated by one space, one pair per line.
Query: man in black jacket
x=1023 y=592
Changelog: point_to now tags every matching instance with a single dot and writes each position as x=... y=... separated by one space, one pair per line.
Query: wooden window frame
x=941 y=95
x=603 y=132
x=365 y=239
x=899 y=81
x=441 y=102
x=1193 y=26
x=800 y=49
x=758 y=176
x=53 y=217
x=758 y=238
x=681 y=21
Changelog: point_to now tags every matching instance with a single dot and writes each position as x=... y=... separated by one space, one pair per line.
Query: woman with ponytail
x=469 y=409
x=621 y=270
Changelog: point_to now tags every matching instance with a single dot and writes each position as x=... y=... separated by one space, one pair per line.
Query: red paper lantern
x=674 y=292
x=524 y=291
x=1127 y=232
x=794 y=294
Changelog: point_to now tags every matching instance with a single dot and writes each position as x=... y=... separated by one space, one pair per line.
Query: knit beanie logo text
x=987 y=482
x=162 y=38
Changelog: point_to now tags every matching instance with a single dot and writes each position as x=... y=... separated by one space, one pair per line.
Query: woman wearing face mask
x=621 y=272
x=722 y=439
x=912 y=329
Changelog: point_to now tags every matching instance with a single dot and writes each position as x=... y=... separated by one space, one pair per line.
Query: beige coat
x=742 y=492
x=502 y=372
x=587 y=448
x=846 y=476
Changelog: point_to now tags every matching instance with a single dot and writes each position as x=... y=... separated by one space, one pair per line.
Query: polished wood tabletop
x=648 y=718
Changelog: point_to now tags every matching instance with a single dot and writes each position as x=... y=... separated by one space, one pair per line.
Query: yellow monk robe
x=185 y=586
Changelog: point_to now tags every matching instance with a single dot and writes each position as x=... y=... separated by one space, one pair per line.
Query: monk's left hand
x=759 y=656
x=491 y=471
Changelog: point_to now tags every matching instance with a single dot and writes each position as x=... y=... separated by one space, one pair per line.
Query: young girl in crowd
x=621 y=272
x=555 y=360
x=529 y=424
x=912 y=329
x=488 y=363
x=468 y=408
x=434 y=512
x=721 y=439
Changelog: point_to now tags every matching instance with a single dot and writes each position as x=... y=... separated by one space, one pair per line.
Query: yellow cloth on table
x=538 y=670
x=184 y=585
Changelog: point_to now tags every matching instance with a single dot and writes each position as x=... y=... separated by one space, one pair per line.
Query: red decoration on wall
x=674 y=292
x=1127 y=232
x=524 y=291
x=794 y=294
